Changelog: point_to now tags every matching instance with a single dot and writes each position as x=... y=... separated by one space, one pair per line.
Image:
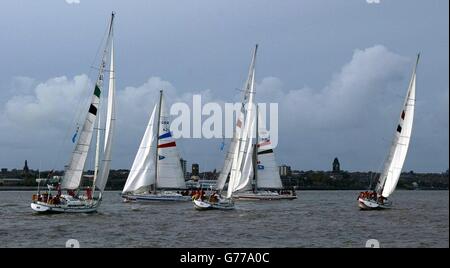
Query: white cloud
x=70 y=2
x=349 y=98
x=373 y=1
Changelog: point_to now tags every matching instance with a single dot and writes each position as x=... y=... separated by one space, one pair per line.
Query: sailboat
x=156 y=169
x=266 y=178
x=238 y=160
x=388 y=179
x=73 y=202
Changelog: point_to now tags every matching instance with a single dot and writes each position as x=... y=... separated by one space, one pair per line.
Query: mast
x=97 y=145
x=97 y=153
x=157 y=141
x=255 y=153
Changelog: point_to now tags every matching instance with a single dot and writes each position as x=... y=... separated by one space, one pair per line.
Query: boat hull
x=263 y=197
x=40 y=207
x=205 y=205
x=156 y=198
x=367 y=204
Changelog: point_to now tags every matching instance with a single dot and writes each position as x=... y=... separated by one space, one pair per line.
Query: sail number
x=165 y=125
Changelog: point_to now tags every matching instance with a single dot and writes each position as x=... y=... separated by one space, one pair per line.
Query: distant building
x=4 y=170
x=284 y=170
x=183 y=166
x=195 y=170
x=26 y=170
x=10 y=181
x=336 y=165
x=201 y=184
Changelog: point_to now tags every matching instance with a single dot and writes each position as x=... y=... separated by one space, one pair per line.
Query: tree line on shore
x=301 y=180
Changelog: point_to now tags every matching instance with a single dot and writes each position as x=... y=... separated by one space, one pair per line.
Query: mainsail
x=268 y=176
x=74 y=171
x=170 y=173
x=109 y=130
x=232 y=149
x=399 y=148
x=241 y=167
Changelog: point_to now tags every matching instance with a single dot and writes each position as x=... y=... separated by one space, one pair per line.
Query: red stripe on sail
x=166 y=145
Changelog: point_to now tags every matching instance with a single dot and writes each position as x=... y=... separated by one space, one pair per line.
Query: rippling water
x=315 y=219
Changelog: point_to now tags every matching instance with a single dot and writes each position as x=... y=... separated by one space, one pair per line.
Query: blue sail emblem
x=161 y=157
x=165 y=135
x=75 y=135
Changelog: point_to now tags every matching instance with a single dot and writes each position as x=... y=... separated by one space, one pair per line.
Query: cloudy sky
x=338 y=69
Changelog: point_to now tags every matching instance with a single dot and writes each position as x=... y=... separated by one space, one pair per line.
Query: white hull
x=262 y=196
x=205 y=205
x=368 y=204
x=158 y=197
x=41 y=207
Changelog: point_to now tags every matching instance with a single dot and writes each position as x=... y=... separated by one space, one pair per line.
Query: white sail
x=245 y=182
x=72 y=175
x=267 y=169
x=74 y=171
x=170 y=173
x=142 y=172
x=241 y=168
x=227 y=165
x=399 y=148
x=110 y=125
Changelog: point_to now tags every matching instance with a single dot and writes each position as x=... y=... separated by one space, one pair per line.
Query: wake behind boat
x=156 y=167
x=73 y=201
x=387 y=182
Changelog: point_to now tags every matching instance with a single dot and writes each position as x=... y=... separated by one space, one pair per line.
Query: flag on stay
x=75 y=135
x=222 y=145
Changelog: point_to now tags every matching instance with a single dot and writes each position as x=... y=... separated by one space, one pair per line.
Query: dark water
x=315 y=219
